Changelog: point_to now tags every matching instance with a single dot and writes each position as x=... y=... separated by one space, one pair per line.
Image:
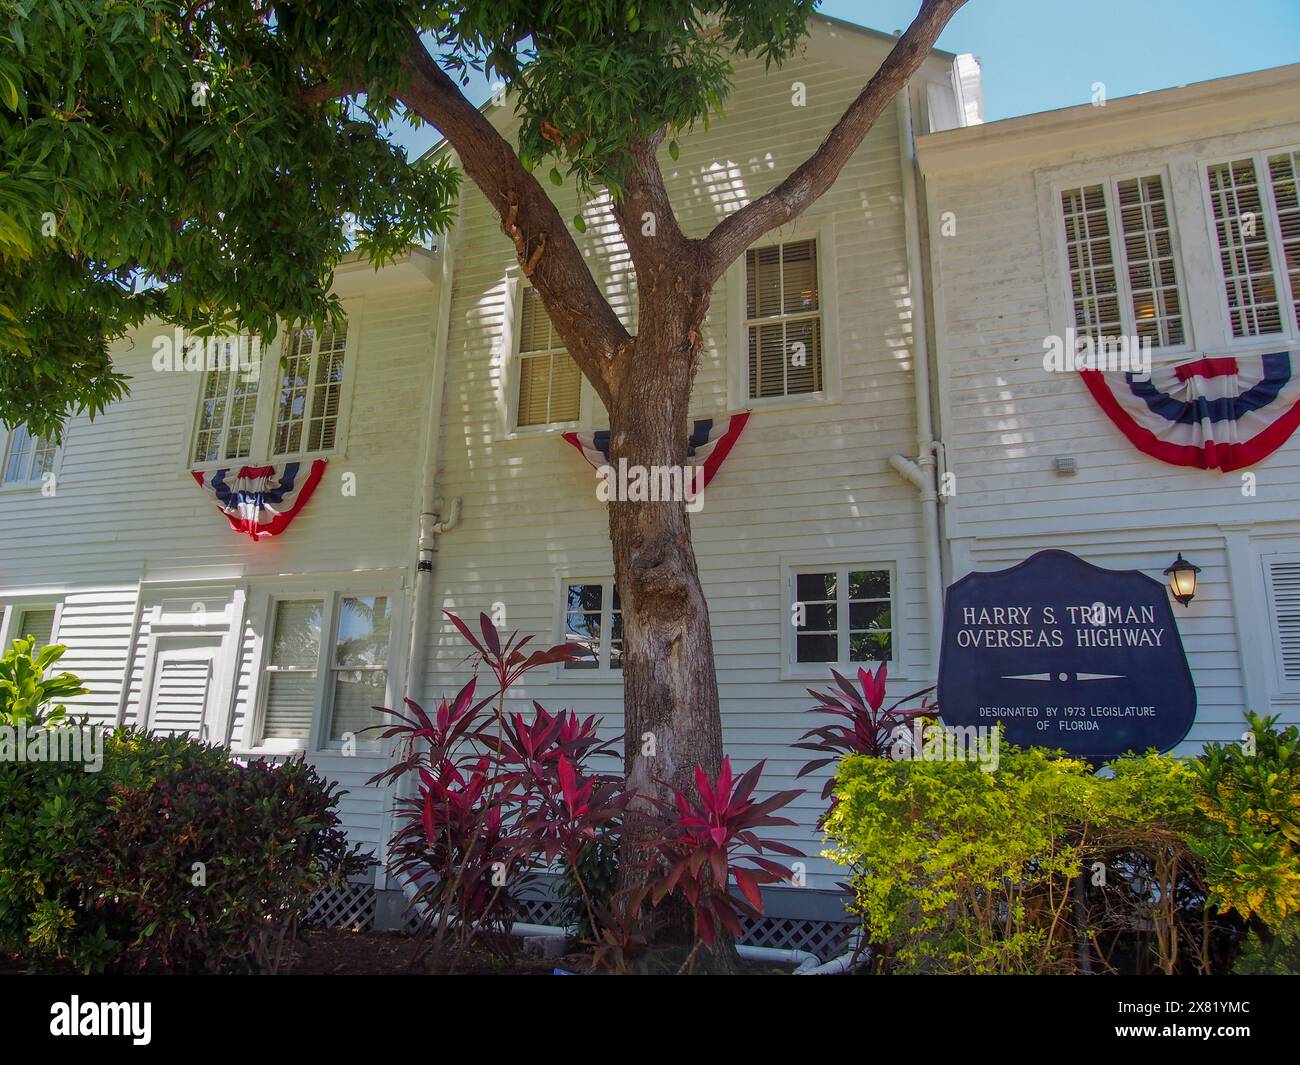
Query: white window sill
x=537 y=432
x=800 y=399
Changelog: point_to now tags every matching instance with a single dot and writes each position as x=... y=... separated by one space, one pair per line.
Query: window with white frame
x=236 y=422
x=550 y=383
x=593 y=618
x=227 y=412
x=344 y=670
x=842 y=614
x=27 y=459
x=1255 y=215
x=783 y=320
x=359 y=666
x=1123 y=269
x=37 y=620
x=289 y=678
x=311 y=388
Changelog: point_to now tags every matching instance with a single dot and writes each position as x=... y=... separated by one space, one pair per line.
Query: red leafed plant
x=499 y=796
x=705 y=841
x=871 y=730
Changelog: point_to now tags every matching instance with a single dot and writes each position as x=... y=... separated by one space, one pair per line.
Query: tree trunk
x=670 y=691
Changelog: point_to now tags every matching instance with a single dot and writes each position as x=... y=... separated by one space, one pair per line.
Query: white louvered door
x=183 y=698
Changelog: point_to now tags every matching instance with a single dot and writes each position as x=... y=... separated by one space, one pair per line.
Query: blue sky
x=1039 y=55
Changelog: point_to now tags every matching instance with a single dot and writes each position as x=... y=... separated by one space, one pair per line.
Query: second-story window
x=27 y=458
x=1255 y=215
x=227 y=412
x=299 y=413
x=550 y=383
x=783 y=319
x=1124 y=277
x=311 y=386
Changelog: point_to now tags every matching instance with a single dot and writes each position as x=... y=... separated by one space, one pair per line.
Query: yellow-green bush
x=1249 y=793
x=957 y=869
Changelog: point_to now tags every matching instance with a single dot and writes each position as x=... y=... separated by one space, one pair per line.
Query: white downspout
x=429 y=524
x=920 y=472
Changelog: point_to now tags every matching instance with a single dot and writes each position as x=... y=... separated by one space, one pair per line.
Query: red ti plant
x=871 y=730
x=505 y=659
x=481 y=821
x=563 y=806
x=706 y=840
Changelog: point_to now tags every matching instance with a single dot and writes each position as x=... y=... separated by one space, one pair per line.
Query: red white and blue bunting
x=262 y=500
x=1213 y=413
x=710 y=442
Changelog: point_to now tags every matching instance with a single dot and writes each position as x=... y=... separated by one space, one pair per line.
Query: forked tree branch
x=818 y=172
x=545 y=248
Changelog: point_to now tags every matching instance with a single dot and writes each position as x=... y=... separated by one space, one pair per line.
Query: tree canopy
x=208 y=163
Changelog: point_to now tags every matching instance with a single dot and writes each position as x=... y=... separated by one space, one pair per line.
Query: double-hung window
x=593 y=618
x=842 y=614
x=1255 y=217
x=311 y=386
x=27 y=459
x=549 y=381
x=783 y=320
x=227 y=407
x=1122 y=264
x=327 y=653
x=295 y=408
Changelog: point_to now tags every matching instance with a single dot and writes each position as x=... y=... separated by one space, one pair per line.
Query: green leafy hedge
x=167 y=855
x=170 y=857
x=1042 y=865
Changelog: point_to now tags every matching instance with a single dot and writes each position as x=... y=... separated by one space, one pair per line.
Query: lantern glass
x=1182 y=579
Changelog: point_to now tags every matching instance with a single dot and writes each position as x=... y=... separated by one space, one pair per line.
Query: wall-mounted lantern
x=1182 y=579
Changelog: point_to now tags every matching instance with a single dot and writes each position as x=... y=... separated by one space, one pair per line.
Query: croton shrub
x=1043 y=865
x=169 y=857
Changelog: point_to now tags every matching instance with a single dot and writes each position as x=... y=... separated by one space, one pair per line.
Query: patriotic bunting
x=1212 y=413
x=710 y=442
x=262 y=500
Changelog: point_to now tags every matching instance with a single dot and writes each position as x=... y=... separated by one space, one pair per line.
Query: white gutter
x=920 y=472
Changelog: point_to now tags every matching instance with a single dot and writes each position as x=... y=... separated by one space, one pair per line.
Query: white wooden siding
x=127 y=510
x=998 y=294
x=803 y=479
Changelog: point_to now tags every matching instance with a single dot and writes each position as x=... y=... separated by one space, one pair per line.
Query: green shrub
x=214 y=867
x=97 y=868
x=959 y=869
x=1275 y=953
x=1249 y=793
x=946 y=856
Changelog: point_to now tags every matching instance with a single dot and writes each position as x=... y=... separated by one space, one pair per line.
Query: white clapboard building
x=1170 y=216
x=430 y=432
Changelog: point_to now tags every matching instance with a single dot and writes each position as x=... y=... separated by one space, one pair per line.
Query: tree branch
x=818 y=172
x=545 y=248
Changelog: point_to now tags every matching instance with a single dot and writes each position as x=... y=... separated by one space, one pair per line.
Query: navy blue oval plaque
x=1066 y=654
